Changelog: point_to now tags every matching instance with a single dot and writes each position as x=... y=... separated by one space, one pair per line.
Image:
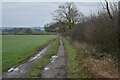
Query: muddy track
x=21 y=70
x=57 y=67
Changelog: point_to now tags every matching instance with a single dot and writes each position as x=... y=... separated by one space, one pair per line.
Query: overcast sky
x=53 y=0
x=37 y=13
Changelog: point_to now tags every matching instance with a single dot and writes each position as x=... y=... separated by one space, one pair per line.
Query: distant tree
x=52 y=27
x=28 y=31
x=67 y=14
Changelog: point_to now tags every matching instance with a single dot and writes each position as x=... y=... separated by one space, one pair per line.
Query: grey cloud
x=36 y=13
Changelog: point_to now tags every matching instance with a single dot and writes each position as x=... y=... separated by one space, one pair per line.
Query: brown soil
x=57 y=67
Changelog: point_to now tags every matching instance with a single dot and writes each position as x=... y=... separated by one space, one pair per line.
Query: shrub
x=99 y=31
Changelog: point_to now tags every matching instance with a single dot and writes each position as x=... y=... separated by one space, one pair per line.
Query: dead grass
x=95 y=68
x=101 y=68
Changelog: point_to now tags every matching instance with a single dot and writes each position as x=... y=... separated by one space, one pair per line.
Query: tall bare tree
x=67 y=14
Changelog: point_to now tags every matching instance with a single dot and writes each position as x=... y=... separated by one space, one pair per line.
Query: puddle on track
x=57 y=67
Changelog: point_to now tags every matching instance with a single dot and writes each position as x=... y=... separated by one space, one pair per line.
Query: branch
x=107 y=6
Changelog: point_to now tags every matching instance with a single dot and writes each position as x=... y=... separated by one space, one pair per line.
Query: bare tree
x=67 y=14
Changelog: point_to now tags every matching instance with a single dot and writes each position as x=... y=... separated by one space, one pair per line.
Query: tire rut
x=57 y=67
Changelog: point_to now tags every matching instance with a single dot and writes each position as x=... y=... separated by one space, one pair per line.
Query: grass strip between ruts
x=41 y=63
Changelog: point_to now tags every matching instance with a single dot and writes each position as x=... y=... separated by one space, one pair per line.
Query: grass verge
x=18 y=48
x=75 y=67
x=39 y=65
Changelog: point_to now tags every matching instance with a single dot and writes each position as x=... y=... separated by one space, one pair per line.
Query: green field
x=16 y=48
x=0 y=55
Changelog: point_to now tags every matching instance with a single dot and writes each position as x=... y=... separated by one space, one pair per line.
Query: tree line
x=100 y=30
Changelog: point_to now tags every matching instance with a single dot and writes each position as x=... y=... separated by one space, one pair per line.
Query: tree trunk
x=108 y=10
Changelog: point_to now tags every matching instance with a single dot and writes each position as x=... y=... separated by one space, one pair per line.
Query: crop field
x=16 y=48
x=0 y=55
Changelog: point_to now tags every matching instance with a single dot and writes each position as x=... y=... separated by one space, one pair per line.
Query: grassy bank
x=74 y=62
x=40 y=64
x=82 y=65
x=16 y=48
